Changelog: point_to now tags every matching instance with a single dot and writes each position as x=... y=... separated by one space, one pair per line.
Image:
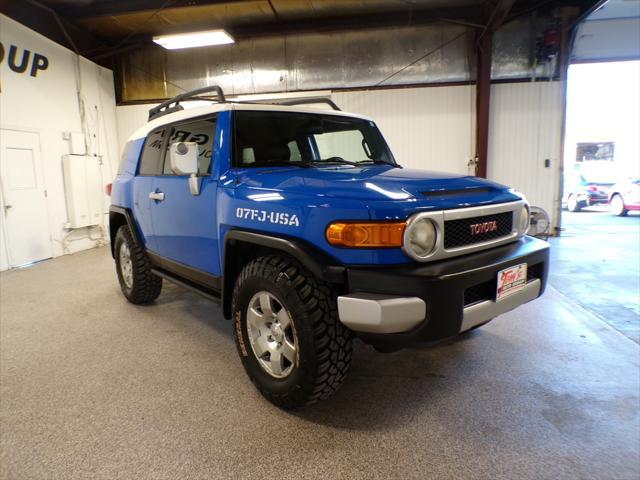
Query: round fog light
x=420 y=238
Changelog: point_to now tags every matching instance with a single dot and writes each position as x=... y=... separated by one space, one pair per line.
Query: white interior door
x=24 y=202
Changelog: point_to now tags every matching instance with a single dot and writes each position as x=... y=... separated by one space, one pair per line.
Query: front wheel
x=617 y=206
x=291 y=342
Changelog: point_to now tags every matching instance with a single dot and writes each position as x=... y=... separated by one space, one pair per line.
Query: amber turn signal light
x=366 y=235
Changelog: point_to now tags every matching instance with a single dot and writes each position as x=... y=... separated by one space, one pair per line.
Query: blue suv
x=299 y=221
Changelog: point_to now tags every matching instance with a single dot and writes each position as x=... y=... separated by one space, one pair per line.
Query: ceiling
x=102 y=28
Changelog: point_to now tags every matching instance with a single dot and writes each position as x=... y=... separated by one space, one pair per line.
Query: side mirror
x=184 y=158
x=184 y=161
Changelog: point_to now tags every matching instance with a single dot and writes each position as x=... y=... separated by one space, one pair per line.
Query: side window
x=203 y=133
x=152 y=154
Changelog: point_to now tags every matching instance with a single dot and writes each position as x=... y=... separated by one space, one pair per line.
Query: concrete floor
x=93 y=387
x=596 y=262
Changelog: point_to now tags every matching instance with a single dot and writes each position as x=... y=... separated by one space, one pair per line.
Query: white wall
x=434 y=128
x=48 y=104
x=525 y=129
x=430 y=128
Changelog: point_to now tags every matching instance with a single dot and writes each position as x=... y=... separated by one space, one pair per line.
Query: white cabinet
x=83 y=190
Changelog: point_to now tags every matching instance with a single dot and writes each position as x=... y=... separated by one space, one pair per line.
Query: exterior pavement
x=596 y=262
x=93 y=387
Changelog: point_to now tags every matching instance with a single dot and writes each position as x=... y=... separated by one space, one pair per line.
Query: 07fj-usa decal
x=279 y=218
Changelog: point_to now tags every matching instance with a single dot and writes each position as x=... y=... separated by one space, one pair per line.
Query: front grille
x=458 y=233
x=487 y=290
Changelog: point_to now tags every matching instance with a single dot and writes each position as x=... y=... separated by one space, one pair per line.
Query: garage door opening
x=602 y=148
x=597 y=257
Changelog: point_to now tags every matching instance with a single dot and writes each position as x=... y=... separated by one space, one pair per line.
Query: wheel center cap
x=276 y=332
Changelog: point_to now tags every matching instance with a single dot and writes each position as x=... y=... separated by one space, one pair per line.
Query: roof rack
x=307 y=101
x=173 y=104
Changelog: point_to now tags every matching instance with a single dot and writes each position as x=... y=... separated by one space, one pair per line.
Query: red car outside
x=624 y=197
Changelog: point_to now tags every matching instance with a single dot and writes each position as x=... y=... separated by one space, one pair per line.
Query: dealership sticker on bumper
x=511 y=280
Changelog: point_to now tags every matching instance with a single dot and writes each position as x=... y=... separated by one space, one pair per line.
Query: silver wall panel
x=347 y=59
x=301 y=62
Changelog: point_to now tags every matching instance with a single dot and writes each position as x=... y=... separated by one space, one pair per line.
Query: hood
x=377 y=183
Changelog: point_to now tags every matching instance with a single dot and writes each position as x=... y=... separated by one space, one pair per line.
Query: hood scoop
x=441 y=193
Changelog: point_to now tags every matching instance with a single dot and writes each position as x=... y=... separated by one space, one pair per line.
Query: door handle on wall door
x=157 y=196
x=7 y=207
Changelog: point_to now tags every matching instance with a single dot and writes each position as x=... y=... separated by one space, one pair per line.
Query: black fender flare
x=115 y=215
x=320 y=264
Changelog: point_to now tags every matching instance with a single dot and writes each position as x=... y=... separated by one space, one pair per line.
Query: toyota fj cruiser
x=299 y=221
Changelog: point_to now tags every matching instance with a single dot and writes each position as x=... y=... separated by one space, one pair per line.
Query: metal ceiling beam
x=48 y=22
x=467 y=15
x=122 y=7
x=461 y=16
x=326 y=24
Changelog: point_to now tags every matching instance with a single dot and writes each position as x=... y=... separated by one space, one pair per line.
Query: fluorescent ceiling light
x=194 y=39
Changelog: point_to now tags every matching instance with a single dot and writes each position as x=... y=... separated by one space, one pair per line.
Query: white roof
x=188 y=113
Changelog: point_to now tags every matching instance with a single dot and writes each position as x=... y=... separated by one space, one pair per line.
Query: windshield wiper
x=338 y=160
x=378 y=162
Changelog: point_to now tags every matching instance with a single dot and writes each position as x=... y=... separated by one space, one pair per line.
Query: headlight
x=523 y=221
x=420 y=238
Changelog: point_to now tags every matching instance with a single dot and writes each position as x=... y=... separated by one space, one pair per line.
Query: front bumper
x=393 y=307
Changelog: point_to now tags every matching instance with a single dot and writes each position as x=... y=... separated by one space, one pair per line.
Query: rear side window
x=202 y=132
x=153 y=153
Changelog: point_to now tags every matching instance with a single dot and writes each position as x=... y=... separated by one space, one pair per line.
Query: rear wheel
x=291 y=342
x=617 y=206
x=574 y=205
x=137 y=283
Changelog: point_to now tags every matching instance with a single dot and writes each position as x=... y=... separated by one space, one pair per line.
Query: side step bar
x=205 y=292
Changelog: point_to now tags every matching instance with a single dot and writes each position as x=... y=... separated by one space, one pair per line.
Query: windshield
x=264 y=138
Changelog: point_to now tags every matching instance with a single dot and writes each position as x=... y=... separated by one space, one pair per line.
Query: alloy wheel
x=126 y=265
x=272 y=335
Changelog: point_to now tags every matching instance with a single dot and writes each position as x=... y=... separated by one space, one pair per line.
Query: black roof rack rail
x=307 y=101
x=173 y=104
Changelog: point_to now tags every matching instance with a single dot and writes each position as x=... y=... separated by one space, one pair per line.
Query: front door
x=184 y=225
x=151 y=159
x=23 y=199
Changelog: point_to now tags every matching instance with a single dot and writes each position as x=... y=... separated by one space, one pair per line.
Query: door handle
x=7 y=207
x=157 y=196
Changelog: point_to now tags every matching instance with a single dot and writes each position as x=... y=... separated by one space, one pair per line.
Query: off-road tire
x=324 y=344
x=146 y=286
